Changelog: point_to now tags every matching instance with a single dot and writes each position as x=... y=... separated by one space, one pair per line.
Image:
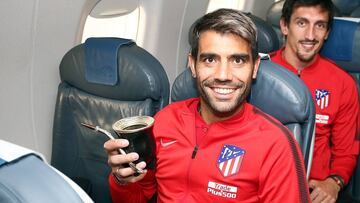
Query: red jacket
x=250 y=157
x=336 y=100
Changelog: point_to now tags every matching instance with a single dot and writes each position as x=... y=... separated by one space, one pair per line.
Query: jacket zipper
x=194 y=151
x=193 y=154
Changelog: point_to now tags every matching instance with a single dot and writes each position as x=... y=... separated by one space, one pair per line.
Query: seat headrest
x=342 y=45
x=267 y=37
x=139 y=74
x=273 y=18
x=355 y=13
x=274 y=14
x=272 y=91
x=346 y=7
x=101 y=59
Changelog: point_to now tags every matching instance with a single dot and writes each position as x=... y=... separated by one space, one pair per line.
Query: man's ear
x=191 y=64
x=283 y=27
x=256 y=67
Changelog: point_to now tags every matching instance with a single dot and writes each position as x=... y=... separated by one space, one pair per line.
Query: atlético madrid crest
x=230 y=159
x=322 y=98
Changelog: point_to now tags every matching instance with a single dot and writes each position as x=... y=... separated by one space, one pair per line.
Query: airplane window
x=216 y=4
x=125 y=26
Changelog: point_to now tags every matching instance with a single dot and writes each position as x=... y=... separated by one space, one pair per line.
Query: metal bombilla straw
x=121 y=151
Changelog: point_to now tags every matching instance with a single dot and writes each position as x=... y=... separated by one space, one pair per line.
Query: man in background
x=305 y=25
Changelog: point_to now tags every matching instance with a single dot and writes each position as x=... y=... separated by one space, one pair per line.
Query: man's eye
x=209 y=60
x=238 y=61
x=301 y=23
x=322 y=26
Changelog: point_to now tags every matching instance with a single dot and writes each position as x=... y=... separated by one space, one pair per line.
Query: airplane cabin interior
x=51 y=82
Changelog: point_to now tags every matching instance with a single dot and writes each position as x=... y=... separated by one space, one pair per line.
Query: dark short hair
x=225 y=21
x=291 y=5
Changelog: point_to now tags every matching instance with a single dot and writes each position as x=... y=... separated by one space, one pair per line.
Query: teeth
x=223 y=90
x=308 y=44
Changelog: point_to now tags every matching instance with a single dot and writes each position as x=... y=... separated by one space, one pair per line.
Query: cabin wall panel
x=34 y=36
x=163 y=30
x=57 y=29
x=16 y=34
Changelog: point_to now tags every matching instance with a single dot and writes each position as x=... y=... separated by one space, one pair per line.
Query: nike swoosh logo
x=166 y=144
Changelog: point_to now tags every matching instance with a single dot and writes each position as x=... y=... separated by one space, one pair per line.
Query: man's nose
x=223 y=72
x=310 y=33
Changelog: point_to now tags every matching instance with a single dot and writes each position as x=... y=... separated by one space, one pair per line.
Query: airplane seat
x=355 y=13
x=343 y=47
x=25 y=177
x=348 y=8
x=102 y=81
x=267 y=37
x=277 y=92
x=273 y=16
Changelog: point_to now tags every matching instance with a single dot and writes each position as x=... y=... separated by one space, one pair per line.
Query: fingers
x=129 y=179
x=127 y=171
x=125 y=175
x=321 y=192
x=323 y=199
x=312 y=184
x=329 y=199
x=118 y=159
x=119 y=162
x=317 y=196
x=112 y=146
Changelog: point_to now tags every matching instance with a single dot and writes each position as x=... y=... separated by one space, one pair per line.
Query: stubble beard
x=306 y=57
x=223 y=108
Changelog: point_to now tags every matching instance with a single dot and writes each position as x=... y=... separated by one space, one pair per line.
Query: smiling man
x=305 y=25
x=224 y=71
x=218 y=147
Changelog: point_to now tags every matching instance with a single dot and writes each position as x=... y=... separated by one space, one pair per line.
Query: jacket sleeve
x=139 y=192
x=282 y=176
x=344 y=144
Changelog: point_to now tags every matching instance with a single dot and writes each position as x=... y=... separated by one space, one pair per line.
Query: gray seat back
x=26 y=178
x=89 y=93
x=267 y=37
x=277 y=92
x=273 y=16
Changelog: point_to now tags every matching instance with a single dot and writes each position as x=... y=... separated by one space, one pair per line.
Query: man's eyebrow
x=207 y=55
x=302 y=18
x=242 y=56
x=317 y=22
x=322 y=22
